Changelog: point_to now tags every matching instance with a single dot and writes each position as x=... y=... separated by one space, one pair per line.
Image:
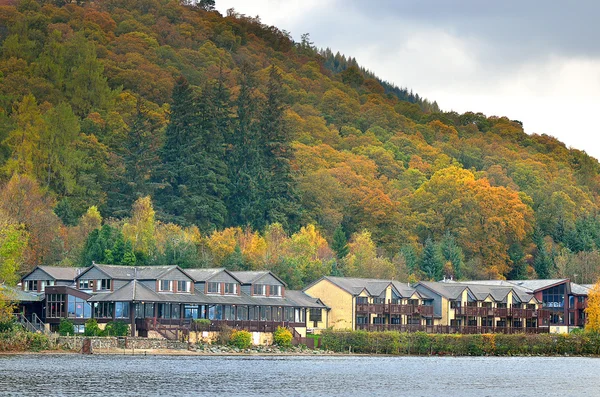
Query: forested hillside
x=151 y=132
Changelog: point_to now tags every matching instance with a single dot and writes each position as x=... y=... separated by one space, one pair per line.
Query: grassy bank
x=420 y=343
x=13 y=338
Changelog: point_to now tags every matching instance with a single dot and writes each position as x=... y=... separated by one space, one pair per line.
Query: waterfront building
x=448 y=306
x=165 y=300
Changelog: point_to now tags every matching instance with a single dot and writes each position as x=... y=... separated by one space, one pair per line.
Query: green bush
x=116 y=328
x=92 y=328
x=282 y=337
x=241 y=339
x=38 y=342
x=225 y=334
x=66 y=327
x=201 y=324
x=7 y=325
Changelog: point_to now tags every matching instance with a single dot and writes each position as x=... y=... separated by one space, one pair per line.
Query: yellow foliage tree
x=593 y=310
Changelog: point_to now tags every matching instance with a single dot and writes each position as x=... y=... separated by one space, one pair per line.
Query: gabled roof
x=579 y=289
x=62 y=273
x=299 y=298
x=200 y=275
x=133 y=272
x=536 y=285
x=374 y=287
x=249 y=277
x=447 y=290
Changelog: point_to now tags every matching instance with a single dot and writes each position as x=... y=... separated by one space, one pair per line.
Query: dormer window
x=231 y=288
x=275 y=290
x=30 y=285
x=45 y=283
x=86 y=284
x=259 y=289
x=165 y=286
x=104 y=285
x=213 y=288
x=183 y=286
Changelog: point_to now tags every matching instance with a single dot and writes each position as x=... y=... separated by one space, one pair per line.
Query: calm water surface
x=75 y=375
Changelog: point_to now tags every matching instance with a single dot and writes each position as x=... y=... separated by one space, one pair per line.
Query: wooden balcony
x=473 y=311
x=395 y=309
x=444 y=329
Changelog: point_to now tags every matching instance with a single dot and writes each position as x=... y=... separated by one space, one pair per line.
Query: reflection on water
x=76 y=375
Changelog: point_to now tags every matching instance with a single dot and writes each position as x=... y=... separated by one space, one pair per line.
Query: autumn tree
x=593 y=310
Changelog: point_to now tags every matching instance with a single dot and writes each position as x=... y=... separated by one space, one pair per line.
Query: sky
x=536 y=61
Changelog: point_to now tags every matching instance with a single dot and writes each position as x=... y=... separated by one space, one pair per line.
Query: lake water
x=97 y=375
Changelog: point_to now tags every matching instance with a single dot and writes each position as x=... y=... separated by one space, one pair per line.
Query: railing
x=476 y=311
x=444 y=329
x=394 y=308
x=31 y=324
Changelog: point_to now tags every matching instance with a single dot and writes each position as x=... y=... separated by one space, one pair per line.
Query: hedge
x=421 y=343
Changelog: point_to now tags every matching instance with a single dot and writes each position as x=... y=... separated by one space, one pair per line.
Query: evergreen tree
x=431 y=261
x=193 y=173
x=517 y=257
x=410 y=256
x=278 y=185
x=451 y=252
x=245 y=203
x=542 y=262
x=340 y=243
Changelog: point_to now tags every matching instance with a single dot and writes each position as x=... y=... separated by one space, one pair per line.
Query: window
x=413 y=320
x=213 y=288
x=472 y=321
x=454 y=304
x=190 y=311
x=30 y=285
x=316 y=315
x=242 y=313
x=78 y=308
x=378 y=301
x=149 y=310
x=378 y=320
x=395 y=320
x=259 y=289
x=362 y=320
x=165 y=285
x=229 y=312
x=79 y=328
x=176 y=310
x=288 y=314
x=362 y=300
x=275 y=290
x=299 y=315
x=122 y=309
x=103 y=310
x=455 y=323
x=231 y=288
x=554 y=297
x=104 y=284
x=46 y=283
x=183 y=286
x=85 y=284
x=277 y=314
x=55 y=305
x=164 y=310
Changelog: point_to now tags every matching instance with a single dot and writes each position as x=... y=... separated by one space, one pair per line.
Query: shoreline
x=310 y=353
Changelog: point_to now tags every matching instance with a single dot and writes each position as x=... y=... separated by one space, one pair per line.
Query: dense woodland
x=153 y=132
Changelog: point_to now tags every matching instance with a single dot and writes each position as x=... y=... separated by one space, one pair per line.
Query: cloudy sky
x=537 y=61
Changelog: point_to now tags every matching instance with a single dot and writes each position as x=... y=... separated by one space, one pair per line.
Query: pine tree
x=542 y=262
x=193 y=173
x=431 y=262
x=340 y=243
x=245 y=163
x=410 y=256
x=517 y=257
x=451 y=252
x=278 y=187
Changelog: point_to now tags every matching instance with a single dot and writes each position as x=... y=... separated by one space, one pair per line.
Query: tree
x=431 y=261
x=453 y=254
x=140 y=228
x=13 y=241
x=593 y=310
x=340 y=243
x=542 y=262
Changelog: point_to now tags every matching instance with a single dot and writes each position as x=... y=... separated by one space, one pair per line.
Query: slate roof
x=203 y=274
x=580 y=289
x=16 y=294
x=249 y=277
x=134 y=272
x=135 y=291
x=374 y=287
x=535 y=285
x=61 y=273
x=448 y=290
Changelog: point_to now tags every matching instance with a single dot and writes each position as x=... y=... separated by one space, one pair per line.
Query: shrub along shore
x=421 y=343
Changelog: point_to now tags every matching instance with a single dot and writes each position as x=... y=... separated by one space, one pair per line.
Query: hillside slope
x=227 y=124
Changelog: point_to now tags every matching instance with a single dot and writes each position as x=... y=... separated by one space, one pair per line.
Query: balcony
x=471 y=311
x=395 y=309
x=444 y=329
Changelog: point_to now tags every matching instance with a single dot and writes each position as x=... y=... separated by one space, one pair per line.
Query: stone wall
x=76 y=342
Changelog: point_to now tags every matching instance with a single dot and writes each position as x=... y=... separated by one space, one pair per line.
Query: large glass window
x=242 y=313
x=253 y=313
x=229 y=312
x=362 y=320
x=149 y=310
x=103 y=309
x=122 y=309
x=362 y=300
x=190 y=311
x=55 y=305
x=378 y=301
x=176 y=310
x=316 y=315
x=554 y=297
x=78 y=308
x=164 y=310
